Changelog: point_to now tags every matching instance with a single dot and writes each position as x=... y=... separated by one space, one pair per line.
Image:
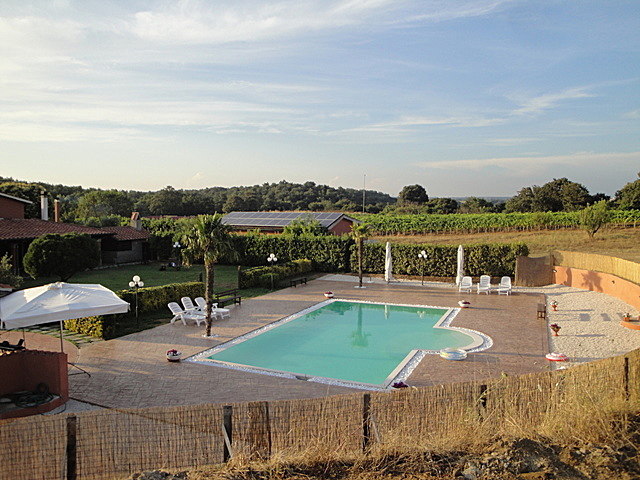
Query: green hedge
x=496 y=259
x=150 y=300
x=261 y=276
x=327 y=253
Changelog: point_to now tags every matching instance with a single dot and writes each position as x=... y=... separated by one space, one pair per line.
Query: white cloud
x=579 y=159
x=538 y=104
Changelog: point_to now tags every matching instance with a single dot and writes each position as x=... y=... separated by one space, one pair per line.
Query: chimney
x=44 y=205
x=136 y=222
x=56 y=210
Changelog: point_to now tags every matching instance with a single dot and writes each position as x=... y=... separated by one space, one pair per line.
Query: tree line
x=98 y=207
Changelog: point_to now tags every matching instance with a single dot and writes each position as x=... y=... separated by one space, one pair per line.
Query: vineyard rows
x=421 y=224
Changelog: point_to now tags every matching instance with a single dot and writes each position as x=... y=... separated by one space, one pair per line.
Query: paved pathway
x=132 y=371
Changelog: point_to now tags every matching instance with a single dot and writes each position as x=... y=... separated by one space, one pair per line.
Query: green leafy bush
x=480 y=259
x=261 y=276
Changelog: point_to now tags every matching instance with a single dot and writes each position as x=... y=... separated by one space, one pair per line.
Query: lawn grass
x=118 y=278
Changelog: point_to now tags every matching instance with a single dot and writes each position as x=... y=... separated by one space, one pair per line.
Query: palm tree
x=208 y=240
x=360 y=232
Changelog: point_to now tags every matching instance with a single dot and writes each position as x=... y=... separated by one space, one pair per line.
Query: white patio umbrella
x=388 y=264
x=56 y=302
x=460 y=272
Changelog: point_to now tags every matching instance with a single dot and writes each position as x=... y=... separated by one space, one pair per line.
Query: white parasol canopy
x=460 y=272
x=388 y=264
x=56 y=302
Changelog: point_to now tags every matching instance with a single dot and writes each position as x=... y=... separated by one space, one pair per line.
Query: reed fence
x=116 y=443
x=599 y=263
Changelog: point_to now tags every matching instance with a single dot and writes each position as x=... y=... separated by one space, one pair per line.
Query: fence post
x=625 y=378
x=260 y=429
x=482 y=401
x=227 y=431
x=366 y=421
x=72 y=456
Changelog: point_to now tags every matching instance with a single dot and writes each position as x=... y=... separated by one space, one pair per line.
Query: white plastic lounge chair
x=202 y=303
x=504 y=287
x=466 y=284
x=485 y=284
x=188 y=305
x=183 y=315
x=218 y=312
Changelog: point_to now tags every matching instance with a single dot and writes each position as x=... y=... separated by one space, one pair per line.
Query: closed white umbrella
x=388 y=264
x=56 y=302
x=460 y=272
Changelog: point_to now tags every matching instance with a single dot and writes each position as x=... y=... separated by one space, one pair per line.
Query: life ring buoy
x=453 y=353
x=556 y=357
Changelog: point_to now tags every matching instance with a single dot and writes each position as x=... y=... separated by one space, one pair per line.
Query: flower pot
x=328 y=294
x=174 y=355
x=464 y=304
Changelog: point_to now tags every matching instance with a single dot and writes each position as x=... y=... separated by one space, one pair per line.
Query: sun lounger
x=485 y=284
x=183 y=315
x=504 y=287
x=218 y=312
x=466 y=284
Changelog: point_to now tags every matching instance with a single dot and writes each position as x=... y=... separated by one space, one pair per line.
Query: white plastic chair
x=218 y=312
x=188 y=305
x=466 y=284
x=202 y=304
x=485 y=284
x=183 y=315
x=178 y=313
x=504 y=287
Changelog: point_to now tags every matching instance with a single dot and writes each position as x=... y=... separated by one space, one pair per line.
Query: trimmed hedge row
x=261 y=276
x=150 y=300
x=327 y=253
x=496 y=259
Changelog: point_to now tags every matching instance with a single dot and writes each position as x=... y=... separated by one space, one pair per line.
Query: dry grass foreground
x=508 y=459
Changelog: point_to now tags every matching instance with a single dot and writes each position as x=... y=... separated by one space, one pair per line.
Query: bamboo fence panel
x=599 y=263
x=427 y=414
x=126 y=441
x=33 y=448
x=299 y=426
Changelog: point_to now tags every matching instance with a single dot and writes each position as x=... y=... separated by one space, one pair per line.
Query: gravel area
x=589 y=324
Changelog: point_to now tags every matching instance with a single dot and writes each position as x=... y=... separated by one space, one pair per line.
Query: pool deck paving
x=133 y=372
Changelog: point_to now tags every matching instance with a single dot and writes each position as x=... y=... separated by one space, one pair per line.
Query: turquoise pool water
x=348 y=341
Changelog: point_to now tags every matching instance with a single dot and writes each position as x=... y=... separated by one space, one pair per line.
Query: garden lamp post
x=177 y=246
x=423 y=255
x=136 y=283
x=272 y=259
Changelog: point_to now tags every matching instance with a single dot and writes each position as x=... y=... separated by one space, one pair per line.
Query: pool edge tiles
x=401 y=372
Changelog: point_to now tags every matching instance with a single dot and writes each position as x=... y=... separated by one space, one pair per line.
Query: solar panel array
x=278 y=219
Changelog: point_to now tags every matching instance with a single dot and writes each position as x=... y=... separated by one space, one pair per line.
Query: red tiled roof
x=24 y=229
x=127 y=233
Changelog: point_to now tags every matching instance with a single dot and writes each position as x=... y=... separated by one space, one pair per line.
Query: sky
x=465 y=97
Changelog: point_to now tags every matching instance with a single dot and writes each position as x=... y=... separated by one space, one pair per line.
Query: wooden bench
x=224 y=297
x=295 y=281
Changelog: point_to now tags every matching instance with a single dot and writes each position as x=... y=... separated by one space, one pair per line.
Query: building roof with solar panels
x=273 y=222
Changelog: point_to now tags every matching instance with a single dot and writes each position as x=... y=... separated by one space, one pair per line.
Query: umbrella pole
x=61 y=338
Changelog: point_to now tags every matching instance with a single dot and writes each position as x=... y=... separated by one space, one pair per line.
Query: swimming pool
x=345 y=342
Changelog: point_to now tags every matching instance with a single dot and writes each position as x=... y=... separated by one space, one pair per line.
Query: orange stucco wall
x=23 y=370
x=617 y=287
